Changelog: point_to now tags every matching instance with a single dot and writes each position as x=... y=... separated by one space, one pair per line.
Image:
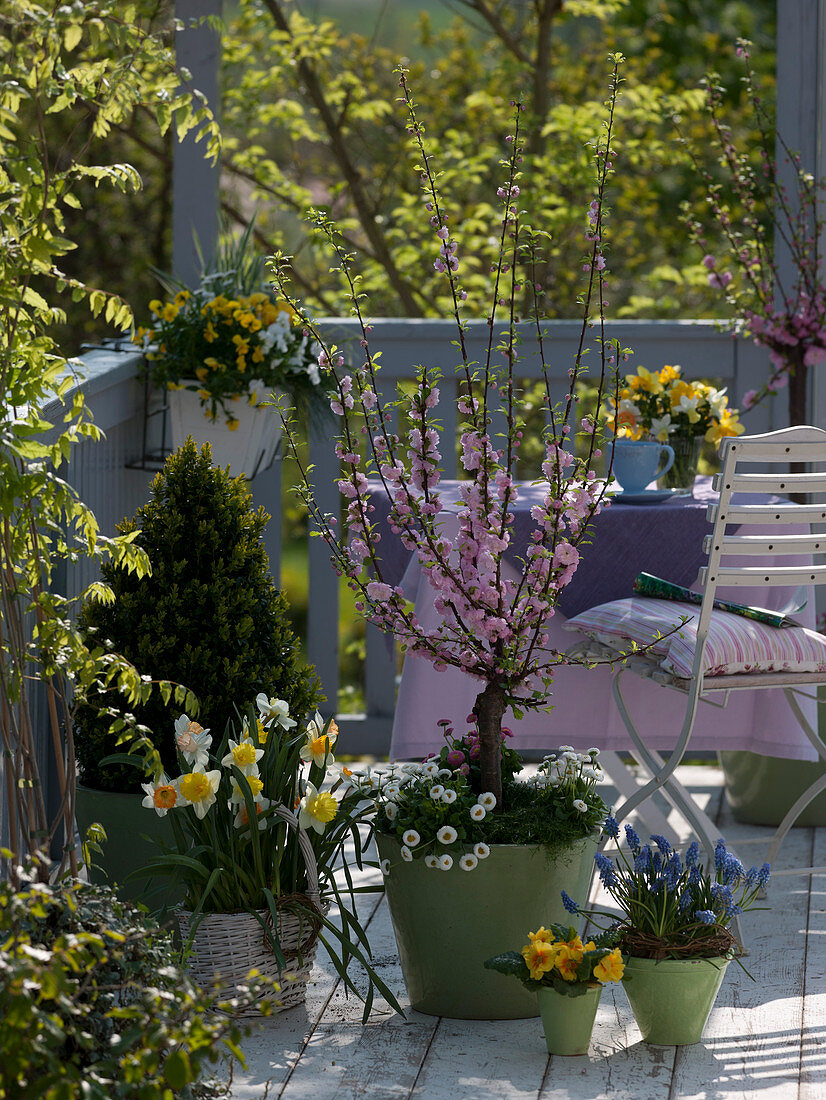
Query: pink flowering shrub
x=754 y=210
x=491 y=618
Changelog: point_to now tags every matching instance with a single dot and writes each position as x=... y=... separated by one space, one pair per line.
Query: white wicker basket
x=226 y=946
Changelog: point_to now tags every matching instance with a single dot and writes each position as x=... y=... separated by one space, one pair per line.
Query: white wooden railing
x=107 y=478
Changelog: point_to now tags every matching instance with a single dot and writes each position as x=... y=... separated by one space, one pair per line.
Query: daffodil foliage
x=238 y=809
x=98 y=60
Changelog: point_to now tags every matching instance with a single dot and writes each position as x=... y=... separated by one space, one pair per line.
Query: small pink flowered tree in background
x=492 y=624
x=755 y=210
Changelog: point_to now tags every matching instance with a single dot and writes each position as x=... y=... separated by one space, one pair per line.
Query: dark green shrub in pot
x=93 y=1003
x=209 y=616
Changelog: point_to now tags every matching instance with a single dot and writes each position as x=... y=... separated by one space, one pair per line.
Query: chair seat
x=737 y=647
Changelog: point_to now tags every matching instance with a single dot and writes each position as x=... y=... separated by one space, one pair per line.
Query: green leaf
x=510 y=963
x=177 y=1069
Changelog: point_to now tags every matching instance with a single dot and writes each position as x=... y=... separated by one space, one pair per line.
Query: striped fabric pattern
x=735 y=644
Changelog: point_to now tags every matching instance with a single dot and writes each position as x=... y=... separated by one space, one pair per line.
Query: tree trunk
x=798 y=386
x=489 y=708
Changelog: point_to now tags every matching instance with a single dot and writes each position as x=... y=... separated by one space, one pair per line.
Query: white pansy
x=446 y=835
x=477 y=812
x=445 y=862
x=481 y=851
x=488 y=800
x=436 y=792
x=411 y=838
x=448 y=796
x=193 y=742
x=407 y=855
x=468 y=861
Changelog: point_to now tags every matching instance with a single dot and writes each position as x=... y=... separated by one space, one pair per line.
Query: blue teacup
x=638 y=462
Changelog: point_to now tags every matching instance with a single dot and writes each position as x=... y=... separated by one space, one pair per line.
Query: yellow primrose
x=541 y=935
x=568 y=957
x=647 y=381
x=669 y=374
x=611 y=968
x=540 y=957
x=169 y=312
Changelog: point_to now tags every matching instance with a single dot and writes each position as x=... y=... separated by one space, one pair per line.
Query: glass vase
x=680 y=478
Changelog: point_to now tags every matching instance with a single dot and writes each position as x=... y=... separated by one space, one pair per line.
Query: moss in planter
x=209 y=616
x=537 y=816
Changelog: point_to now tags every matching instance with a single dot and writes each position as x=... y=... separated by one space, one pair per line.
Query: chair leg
x=627 y=785
x=808 y=796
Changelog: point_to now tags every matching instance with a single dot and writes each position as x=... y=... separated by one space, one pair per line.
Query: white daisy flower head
x=445 y=773
x=566 y=748
x=432 y=862
x=488 y=800
x=193 y=741
x=468 y=861
x=478 y=813
x=385 y=867
x=448 y=796
x=436 y=791
x=446 y=835
x=590 y=773
x=411 y=838
x=162 y=795
x=430 y=768
x=407 y=855
x=481 y=850
x=445 y=862
x=274 y=711
x=593 y=751
x=390 y=811
x=580 y=805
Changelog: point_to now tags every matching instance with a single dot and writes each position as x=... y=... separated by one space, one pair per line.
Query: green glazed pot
x=762 y=789
x=672 y=998
x=133 y=833
x=448 y=922
x=568 y=1021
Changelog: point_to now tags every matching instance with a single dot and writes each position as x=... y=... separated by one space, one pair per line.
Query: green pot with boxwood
x=447 y=923
x=133 y=834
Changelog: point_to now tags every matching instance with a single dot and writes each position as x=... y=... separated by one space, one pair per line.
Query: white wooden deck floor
x=765 y=1040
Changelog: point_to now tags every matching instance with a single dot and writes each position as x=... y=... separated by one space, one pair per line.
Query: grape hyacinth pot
x=568 y=1021
x=672 y=998
x=447 y=923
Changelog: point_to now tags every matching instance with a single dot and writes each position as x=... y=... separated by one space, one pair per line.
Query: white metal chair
x=731 y=653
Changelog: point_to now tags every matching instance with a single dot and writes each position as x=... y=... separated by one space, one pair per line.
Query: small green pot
x=568 y=1021
x=672 y=998
x=448 y=922
x=133 y=835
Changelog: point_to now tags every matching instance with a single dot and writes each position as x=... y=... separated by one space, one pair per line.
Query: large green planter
x=672 y=998
x=568 y=1021
x=448 y=922
x=132 y=834
x=762 y=789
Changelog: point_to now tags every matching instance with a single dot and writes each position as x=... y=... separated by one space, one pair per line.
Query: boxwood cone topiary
x=209 y=616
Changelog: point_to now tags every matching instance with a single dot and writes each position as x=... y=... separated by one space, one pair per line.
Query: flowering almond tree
x=492 y=624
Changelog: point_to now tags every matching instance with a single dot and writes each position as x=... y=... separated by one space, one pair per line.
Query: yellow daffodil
x=232 y=425
x=242 y=817
x=728 y=424
x=319 y=745
x=316 y=809
x=243 y=754
x=646 y=381
x=669 y=374
x=198 y=788
x=611 y=968
x=685 y=399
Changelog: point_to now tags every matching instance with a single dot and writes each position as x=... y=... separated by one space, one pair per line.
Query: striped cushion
x=735 y=644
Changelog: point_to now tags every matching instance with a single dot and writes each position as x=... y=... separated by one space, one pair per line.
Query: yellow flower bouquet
x=246 y=813
x=230 y=340
x=556 y=957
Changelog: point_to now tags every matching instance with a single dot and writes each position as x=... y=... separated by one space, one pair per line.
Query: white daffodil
x=198 y=788
x=661 y=427
x=468 y=861
x=241 y=818
x=477 y=812
x=255 y=784
x=342 y=772
x=318 y=747
x=481 y=851
x=316 y=809
x=193 y=742
x=407 y=855
x=432 y=862
x=488 y=800
x=274 y=711
x=445 y=862
x=244 y=755
x=448 y=796
x=411 y=838
x=161 y=796
x=446 y=835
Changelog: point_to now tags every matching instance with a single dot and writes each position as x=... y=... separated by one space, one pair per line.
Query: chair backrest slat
x=768 y=544
x=782 y=484
x=766 y=513
x=756 y=577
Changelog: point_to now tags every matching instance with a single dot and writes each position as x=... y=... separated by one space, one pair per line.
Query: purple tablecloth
x=665 y=539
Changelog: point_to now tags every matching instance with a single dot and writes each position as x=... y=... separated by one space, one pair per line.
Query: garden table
x=663 y=538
